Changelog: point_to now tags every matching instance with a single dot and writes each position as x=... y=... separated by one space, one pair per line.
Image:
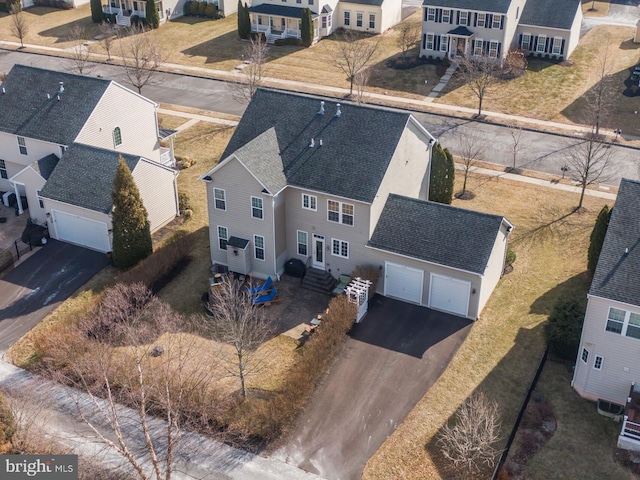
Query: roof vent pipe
x=338 y=112
x=48 y=97
x=3 y=91
x=312 y=144
x=321 y=111
x=320 y=142
x=626 y=250
x=61 y=88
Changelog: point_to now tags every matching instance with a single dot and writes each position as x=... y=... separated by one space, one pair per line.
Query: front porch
x=125 y=9
x=629 y=437
x=459 y=44
x=277 y=22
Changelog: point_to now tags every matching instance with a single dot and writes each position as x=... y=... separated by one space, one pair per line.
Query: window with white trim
x=310 y=2
x=557 y=45
x=329 y=21
x=623 y=322
x=497 y=21
x=444 y=43
x=431 y=14
x=359 y=19
x=258 y=243
x=22 y=145
x=585 y=355
x=525 y=44
x=40 y=201
x=633 y=326
x=372 y=20
x=303 y=243
x=477 y=49
x=223 y=237
x=117 y=137
x=256 y=208
x=220 y=201
x=597 y=364
x=464 y=18
x=309 y=202
x=324 y=21
x=339 y=248
x=615 y=320
x=3 y=170
x=347 y=19
x=542 y=41
x=493 y=49
x=339 y=212
x=428 y=45
x=446 y=16
x=481 y=21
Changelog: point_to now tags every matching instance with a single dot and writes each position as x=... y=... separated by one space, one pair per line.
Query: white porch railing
x=165 y=157
x=292 y=32
x=262 y=28
x=630 y=429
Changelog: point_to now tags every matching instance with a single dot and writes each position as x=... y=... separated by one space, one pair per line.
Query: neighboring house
x=167 y=9
x=337 y=186
x=282 y=18
x=547 y=28
x=607 y=364
x=60 y=139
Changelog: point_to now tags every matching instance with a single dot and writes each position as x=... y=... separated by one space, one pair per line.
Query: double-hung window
x=256 y=208
x=347 y=19
x=223 y=237
x=497 y=21
x=444 y=43
x=372 y=20
x=359 y=19
x=220 y=201
x=623 y=322
x=557 y=45
x=525 y=44
x=482 y=18
x=542 y=42
x=339 y=248
x=464 y=18
x=340 y=212
x=309 y=202
x=615 y=320
x=477 y=49
x=431 y=14
x=585 y=355
x=258 y=243
x=3 y=170
x=428 y=44
x=597 y=364
x=303 y=243
x=22 y=145
x=446 y=16
x=493 y=49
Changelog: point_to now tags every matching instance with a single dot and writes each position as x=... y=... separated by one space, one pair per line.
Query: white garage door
x=403 y=282
x=449 y=294
x=81 y=231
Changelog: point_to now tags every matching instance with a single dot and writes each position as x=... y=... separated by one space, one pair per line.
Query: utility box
x=238 y=257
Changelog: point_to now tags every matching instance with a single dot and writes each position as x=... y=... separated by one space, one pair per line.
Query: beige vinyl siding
x=574 y=35
x=36 y=149
x=382 y=24
x=511 y=25
x=619 y=352
x=239 y=186
x=408 y=170
x=391 y=13
x=281 y=232
x=32 y=182
x=133 y=114
x=495 y=267
x=316 y=222
x=74 y=210
x=158 y=191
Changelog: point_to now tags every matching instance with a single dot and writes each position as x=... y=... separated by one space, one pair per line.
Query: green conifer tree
x=130 y=223
x=442 y=178
x=96 y=11
x=151 y=14
x=597 y=238
x=306 y=28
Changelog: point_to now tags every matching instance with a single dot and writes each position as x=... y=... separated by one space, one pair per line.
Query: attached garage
x=449 y=294
x=81 y=231
x=403 y=282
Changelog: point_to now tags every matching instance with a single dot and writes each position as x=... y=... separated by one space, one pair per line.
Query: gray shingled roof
x=461 y=31
x=238 y=242
x=27 y=112
x=617 y=276
x=499 y=6
x=46 y=165
x=262 y=157
x=166 y=132
x=438 y=233
x=279 y=10
x=376 y=3
x=84 y=177
x=550 y=13
x=356 y=147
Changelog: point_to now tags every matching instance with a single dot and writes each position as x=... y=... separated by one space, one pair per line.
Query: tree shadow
x=506 y=384
x=575 y=287
x=218 y=49
x=418 y=79
x=61 y=32
x=553 y=223
x=537 y=64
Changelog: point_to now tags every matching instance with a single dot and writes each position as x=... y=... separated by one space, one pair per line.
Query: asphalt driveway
x=39 y=284
x=389 y=362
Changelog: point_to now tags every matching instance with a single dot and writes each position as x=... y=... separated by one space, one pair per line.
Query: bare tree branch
x=19 y=26
x=472 y=147
x=353 y=54
x=141 y=57
x=480 y=74
x=108 y=36
x=79 y=51
x=253 y=71
x=600 y=99
x=518 y=142
x=408 y=36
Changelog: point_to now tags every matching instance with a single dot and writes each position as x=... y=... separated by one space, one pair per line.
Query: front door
x=318 y=252
x=462 y=43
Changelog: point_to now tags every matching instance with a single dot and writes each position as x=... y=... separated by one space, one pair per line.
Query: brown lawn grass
x=591 y=8
x=170 y=121
x=549 y=91
x=504 y=346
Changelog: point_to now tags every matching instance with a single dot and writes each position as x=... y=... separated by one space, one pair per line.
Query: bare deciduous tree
x=108 y=36
x=589 y=162
x=19 y=25
x=518 y=142
x=353 y=54
x=480 y=74
x=255 y=55
x=79 y=51
x=236 y=322
x=361 y=81
x=470 y=442
x=141 y=57
x=472 y=146
x=408 y=36
x=123 y=365
x=601 y=97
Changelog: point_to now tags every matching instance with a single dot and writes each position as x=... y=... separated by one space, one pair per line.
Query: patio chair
x=261 y=288
x=343 y=281
x=267 y=299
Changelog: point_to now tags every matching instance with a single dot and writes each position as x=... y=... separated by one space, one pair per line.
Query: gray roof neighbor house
x=500 y=6
x=550 y=13
x=84 y=177
x=321 y=151
x=437 y=233
x=617 y=276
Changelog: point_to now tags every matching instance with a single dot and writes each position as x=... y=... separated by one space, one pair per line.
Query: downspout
x=273 y=235
x=18 y=199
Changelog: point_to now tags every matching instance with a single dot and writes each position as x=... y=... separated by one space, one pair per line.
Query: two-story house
x=452 y=28
x=340 y=185
x=282 y=18
x=60 y=140
x=607 y=365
